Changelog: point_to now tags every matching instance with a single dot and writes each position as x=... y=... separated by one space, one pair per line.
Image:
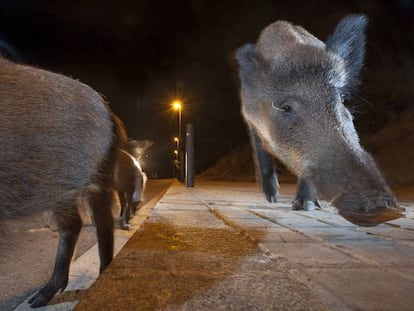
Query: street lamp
x=177 y=146
x=177 y=105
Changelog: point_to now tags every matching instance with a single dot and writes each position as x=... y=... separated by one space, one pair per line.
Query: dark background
x=142 y=54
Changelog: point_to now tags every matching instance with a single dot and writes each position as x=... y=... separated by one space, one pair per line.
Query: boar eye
x=286 y=108
x=285 y=111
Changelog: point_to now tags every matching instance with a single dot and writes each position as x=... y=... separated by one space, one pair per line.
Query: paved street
x=219 y=246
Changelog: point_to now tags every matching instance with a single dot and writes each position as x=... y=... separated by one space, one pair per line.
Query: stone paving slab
x=220 y=246
x=366 y=288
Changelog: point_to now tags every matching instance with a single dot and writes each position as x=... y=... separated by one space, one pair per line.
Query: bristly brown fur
x=59 y=142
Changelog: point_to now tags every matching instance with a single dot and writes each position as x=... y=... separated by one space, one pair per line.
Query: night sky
x=142 y=54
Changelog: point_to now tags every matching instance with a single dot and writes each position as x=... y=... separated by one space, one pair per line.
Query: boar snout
x=368 y=210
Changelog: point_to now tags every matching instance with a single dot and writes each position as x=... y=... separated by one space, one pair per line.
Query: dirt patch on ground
x=181 y=268
x=238 y=165
x=393 y=148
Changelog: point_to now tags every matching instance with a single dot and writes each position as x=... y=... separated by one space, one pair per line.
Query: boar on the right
x=292 y=90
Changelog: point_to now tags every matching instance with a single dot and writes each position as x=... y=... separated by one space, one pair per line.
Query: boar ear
x=348 y=42
x=247 y=60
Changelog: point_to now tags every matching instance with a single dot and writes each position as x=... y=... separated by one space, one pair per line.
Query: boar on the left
x=59 y=142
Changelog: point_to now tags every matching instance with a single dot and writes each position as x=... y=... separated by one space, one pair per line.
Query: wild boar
x=59 y=142
x=293 y=88
x=129 y=182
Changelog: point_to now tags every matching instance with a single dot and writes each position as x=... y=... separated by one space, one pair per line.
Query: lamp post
x=177 y=143
x=177 y=105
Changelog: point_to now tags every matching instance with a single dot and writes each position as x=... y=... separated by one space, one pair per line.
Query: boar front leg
x=123 y=202
x=265 y=168
x=306 y=196
x=124 y=198
x=69 y=225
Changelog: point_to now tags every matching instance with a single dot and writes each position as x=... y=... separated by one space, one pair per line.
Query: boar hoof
x=297 y=205
x=308 y=206
x=271 y=198
x=42 y=297
x=125 y=226
x=305 y=205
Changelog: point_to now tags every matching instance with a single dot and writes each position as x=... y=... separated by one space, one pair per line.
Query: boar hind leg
x=101 y=203
x=265 y=169
x=122 y=202
x=69 y=225
x=306 y=197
